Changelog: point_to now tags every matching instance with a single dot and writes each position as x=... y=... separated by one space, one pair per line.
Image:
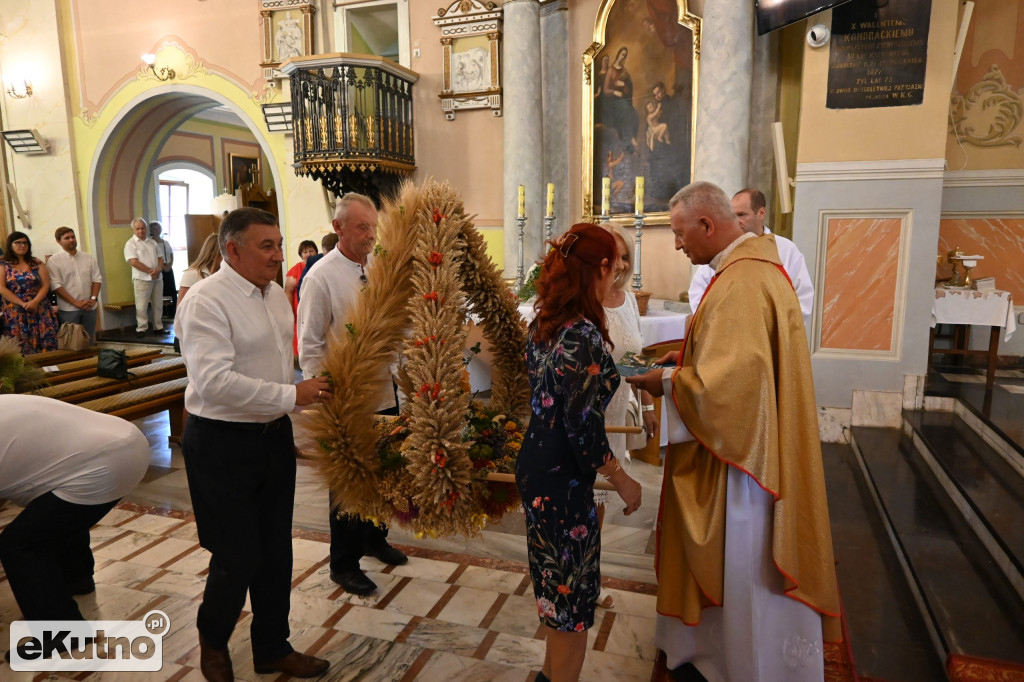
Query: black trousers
x=352 y=536
x=242 y=485
x=45 y=550
x=170 y=289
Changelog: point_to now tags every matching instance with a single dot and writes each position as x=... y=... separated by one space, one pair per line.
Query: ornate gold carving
x=353 y=130
x=371 y=133
x=88 y=119
x=992 y=109
x=323 y=131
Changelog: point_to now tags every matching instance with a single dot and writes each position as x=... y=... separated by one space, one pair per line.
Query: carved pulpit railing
x=353 y=121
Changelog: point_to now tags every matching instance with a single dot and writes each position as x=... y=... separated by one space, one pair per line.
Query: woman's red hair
x=567 y=286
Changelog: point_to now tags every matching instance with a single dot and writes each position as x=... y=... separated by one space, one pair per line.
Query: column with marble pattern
x=522 y=101
x=554 y=31
x=723 y=99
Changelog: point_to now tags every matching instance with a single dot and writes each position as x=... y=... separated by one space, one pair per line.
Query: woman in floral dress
x=25 y=286
x=572 y=377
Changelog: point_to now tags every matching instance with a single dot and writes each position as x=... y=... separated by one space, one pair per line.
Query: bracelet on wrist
x=615 y=469
x=647 y=408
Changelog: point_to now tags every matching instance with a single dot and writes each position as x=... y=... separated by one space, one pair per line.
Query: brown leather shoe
x=215 y=664
x=296 y=665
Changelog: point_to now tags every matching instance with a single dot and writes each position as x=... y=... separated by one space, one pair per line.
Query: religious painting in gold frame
x=287 y=30
x=243 y=170
x=639 y=104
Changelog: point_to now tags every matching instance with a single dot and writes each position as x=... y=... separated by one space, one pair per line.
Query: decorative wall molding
x=895 y=350
x=1003 y=177
x=899 y=169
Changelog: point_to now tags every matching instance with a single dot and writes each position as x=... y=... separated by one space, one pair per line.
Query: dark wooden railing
x=353 y=120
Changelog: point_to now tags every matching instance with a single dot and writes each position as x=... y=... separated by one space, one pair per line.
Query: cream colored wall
x=912 y=132
x=45 y=182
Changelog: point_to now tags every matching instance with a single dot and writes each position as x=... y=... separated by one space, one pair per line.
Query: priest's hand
x=650 y=382
x=671 y=357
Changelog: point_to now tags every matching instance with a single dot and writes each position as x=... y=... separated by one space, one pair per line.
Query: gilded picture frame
x=243 y=170
x=470 y=50
x=287 y=31
x=639 y=113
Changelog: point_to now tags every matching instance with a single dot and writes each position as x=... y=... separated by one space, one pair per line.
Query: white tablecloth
x=966 y=306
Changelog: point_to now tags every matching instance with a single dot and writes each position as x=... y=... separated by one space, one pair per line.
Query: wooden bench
x=94 y=387
x=142 y=402
x=118 y=308
x=82 y=369
x=52 y=357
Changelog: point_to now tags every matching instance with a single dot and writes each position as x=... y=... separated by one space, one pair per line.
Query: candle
x=551 y=201
x=522 y=202
x=606 y=190
x=639 y=195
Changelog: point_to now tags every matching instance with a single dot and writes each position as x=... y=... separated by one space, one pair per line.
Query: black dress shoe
x=388 y=555
x=294 y=664
x=215 y=664
x=354 y=581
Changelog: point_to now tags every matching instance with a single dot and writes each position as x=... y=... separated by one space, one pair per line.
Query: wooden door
x=197 y=229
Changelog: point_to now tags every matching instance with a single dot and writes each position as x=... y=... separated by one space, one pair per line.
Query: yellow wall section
x=913 y=132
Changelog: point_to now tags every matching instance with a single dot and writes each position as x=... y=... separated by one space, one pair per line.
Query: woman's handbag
x=113 y=364
x=72 y=336
x=634 y=417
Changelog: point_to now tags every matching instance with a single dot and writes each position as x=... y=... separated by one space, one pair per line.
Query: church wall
x=45 y=182
x=870 y=165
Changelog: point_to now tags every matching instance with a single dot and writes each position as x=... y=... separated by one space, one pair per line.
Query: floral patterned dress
x=571 y=382
x=35 y=330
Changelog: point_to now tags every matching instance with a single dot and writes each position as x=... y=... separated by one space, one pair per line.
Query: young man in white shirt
x=236 y=331
x=143 y=255
x=329 y=290
x=750 y=205
x=75 y=278
x=68 y=466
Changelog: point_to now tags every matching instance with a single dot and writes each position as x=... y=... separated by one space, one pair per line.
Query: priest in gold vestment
x=746 y=577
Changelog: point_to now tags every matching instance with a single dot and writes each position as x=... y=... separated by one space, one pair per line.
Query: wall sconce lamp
x=164 y=73
x=26 y=141
x=20 y=89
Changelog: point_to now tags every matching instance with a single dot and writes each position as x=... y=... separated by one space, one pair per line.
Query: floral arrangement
x=16 y=373
x=529 y=288
x=430 y=270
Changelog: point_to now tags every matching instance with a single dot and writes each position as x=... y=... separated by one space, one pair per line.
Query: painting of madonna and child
x=643 y=90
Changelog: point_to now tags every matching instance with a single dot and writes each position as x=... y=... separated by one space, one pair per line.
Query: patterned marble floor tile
x=634 y=604
x=100 y=534
x=446 y=666
x=310 y=549
x=168 y=671
x=426 y=569
x=600 y=666
x=520 y=652
x=624 y=538
x=151 y=523
x=111 y=602
x=370 y=622
x=418 y=597
x=116 y=516
x=490 y=579
x=308 y=610
x=122 y=547
x=518 y=616
x=194 y=562
x=385 y=583
x=443 y=636
x=177 y=584
x=468 y=606
x=186 y=532
x=354 y=657
x=160 y=554
x=632 y=636
x=124 y=574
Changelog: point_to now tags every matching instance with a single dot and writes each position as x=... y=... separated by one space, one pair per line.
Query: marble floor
x=461 y=609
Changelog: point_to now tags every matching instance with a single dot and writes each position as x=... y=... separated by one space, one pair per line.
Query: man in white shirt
x=236 y=331
x=749 y=205
x=68 y=466
x=328 y=292
x=75 y=278
x=143 y=255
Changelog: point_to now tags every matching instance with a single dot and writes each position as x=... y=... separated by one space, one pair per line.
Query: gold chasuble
x=745 y=392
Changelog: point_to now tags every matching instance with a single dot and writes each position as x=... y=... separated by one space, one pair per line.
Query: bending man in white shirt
x=236 y=338
x=75 y=278
x=749 y=206
x=329 y=291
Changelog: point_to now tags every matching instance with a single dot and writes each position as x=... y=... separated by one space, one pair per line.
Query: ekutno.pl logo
x=117 y=645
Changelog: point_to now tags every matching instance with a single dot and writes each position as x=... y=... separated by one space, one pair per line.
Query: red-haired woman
x=572 y=377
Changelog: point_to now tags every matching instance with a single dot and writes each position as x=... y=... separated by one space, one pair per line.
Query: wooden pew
x=81 y=369
x=52 y=357
x=142 y=402
x=94 y=387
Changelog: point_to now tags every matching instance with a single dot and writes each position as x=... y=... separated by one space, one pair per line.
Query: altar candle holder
x=638 y=223
x=549 y=227
x=520 y=269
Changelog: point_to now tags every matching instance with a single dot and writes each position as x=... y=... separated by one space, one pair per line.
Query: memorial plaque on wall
x=878 y=54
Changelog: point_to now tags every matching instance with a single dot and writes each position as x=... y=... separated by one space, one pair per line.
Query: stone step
x=968 y=605
x=888 y=636
x=986 y=488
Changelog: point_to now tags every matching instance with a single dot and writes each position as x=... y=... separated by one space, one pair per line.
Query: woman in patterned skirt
x=572 y=377
x=25 y=288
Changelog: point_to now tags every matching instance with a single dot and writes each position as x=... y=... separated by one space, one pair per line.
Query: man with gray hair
x=328 y=293
x=748 y=586
x=236 y=331
x=142 y=253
